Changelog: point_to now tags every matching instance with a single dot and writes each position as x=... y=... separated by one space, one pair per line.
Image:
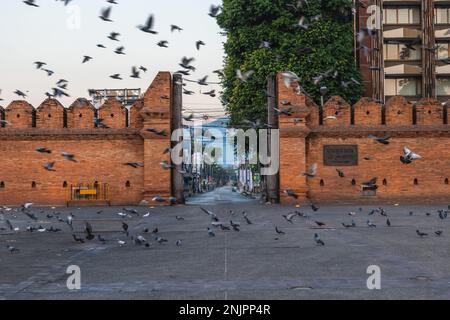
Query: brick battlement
x=101 y=154
x=304 y=137
x=51 y=114
x=339 y=113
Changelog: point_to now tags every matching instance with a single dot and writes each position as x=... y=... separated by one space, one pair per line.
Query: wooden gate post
x=273 y=181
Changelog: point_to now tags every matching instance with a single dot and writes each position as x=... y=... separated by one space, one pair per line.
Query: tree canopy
x=266 y=36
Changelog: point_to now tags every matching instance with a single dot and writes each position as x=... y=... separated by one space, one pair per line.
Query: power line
x=188 y=80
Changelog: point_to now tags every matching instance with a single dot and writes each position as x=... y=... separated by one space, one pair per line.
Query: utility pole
x=177 y=106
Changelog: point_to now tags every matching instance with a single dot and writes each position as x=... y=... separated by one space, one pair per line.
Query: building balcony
x=403 y=2
x=403 y=69
x=443 y=70
x=402 y=33
x=442 y=33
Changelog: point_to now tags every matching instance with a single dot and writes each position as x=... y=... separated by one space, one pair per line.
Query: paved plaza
x=254 y=263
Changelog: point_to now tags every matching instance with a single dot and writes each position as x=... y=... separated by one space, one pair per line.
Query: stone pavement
x=218 y=196
x=255 y=263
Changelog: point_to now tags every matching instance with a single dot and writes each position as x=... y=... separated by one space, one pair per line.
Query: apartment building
x=408 y=52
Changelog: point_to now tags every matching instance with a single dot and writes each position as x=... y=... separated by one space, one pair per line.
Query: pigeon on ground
x=318 y=240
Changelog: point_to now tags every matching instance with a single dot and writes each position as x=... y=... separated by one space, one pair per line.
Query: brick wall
x=429 y=112
x=156 y=114
x=19 y=114
x=422 y=181
x=395 y=180
x=50 y=115
x=98 y=159
x=113 y=114
x=367 y=113
x=81 y=114
x=336 y=112
x=100 y=153
x=135 y=118
x=399 y=111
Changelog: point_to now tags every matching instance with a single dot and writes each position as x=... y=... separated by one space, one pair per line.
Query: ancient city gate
x=123 y=159
x=336 y=138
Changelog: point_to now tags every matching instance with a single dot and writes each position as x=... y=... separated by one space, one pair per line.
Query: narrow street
x=220 y=195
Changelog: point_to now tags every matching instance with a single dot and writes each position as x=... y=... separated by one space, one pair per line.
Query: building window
x=385 y=182
x=403 y=87
x=2 y=185
x=401 y=15
x=442 y=51
x=353 y=182
x=128 y=184
x=443 y=86
x=65 y=184
x=441 y=15
x=396 y=51
x=416 y=182
x=446 y=181
x=33 y=185
x=322 y=183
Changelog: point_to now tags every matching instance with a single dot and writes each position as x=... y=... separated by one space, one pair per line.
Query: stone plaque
x=340 y=155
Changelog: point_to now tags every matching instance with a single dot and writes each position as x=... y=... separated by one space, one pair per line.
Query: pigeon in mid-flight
x=148 y=26
x=408 y=156
x=31 y=3
x=105 y=14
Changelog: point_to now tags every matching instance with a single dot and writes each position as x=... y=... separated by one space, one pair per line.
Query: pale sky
x=29 y=34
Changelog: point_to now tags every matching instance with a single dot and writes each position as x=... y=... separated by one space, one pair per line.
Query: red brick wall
x=313 y=119
x=429 y=112
x=19 y=114
x=99 y=159
x=81 y=115
x=50 y=115
x=367 y=113
x=339 y=108
x=113 y=113
x=292 y=140
x=431 y=172
x=156 y=114
x=399 y=112
x=303 y=146
x=157 y=94
x=136 y=120
x=100 y=154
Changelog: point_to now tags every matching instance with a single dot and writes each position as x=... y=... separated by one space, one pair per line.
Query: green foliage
x=329 y=41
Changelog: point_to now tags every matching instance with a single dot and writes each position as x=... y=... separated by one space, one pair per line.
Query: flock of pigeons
x=406 y=158
x=106 y=15
x=139 y=235
x=187 y=68
x=186 y=63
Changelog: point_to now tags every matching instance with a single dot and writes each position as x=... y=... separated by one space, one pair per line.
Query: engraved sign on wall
x=340 y=155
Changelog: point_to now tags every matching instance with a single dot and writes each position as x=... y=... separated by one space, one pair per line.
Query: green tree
x=324 y=47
